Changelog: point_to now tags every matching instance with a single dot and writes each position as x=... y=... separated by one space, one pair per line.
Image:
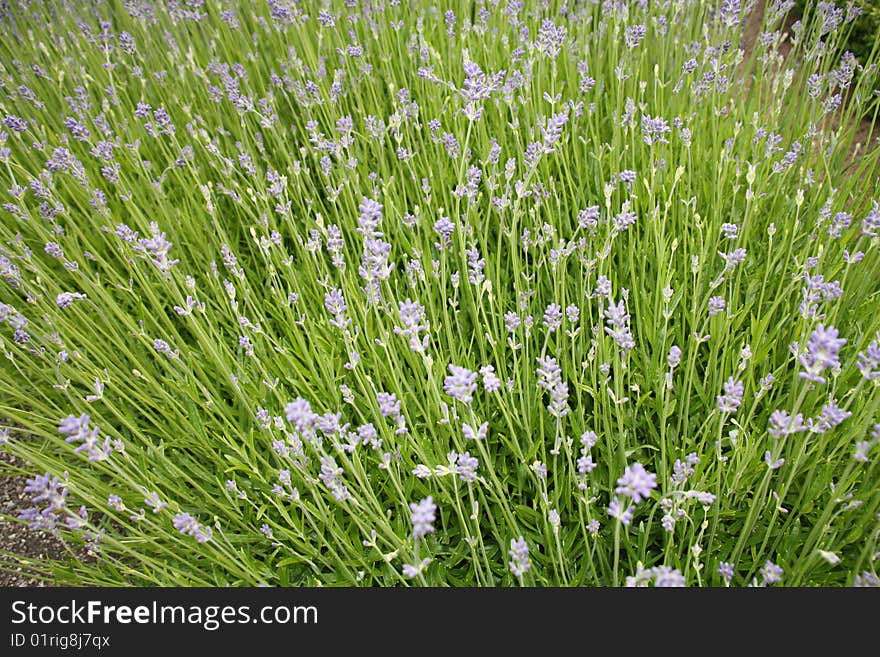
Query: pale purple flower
x=588 y=219
x=726 y=570
x=519 y=557
x=627 y=176
x=618 y=510
x=54 y=250
x=589 y=439
x=471 y=188
x=299 y=413
x=618 y=325
x=335 y=246
x=869 y=362
x=78 y=429
x=734 y=258
x=550 y=39
x=15 y=123
x=511 y=321
x=634 y=35
x=731 y=231
x=840 y=222
x=331 y=475
x=666 y=577
x=729 y=12
x=389 y=404
x=782 y=424
x=716 y=305
x=862 y=449
x=444 y=228
x=702 y=497
x=871 y=223
x=731 y=400
x=831 y=416
x=549 y=373
x=654 y=130
x=866 y=579
x=422 y=517
x=422 y=471
x=552 y=133
x=375 y=265
x=491 y=382
x=553 y=317
x=681 y=472
x=771 y=573
x=558 y=405
x=460 y=384
x=823 y=350
x=475 y=266
x=189 y=526
x=367 y=435
x=585 y=465
x=370 y=216
x=540 y=469
x=636 y=483
x=157 y=248
x=334 y=302
x=478 y=87
x=50 y=490
x=165 y=349
x=152 y=500
x=412 y=571
x=470 y=433
x=412 y=316
x=466 y=467
x=624 y=219
x=773 y=465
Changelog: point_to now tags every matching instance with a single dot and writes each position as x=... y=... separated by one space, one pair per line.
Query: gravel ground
x=15 y=537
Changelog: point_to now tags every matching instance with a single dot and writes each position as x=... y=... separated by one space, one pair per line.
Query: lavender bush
x=475 y=293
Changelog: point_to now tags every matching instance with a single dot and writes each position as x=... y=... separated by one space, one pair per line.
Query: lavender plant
x=474 y=293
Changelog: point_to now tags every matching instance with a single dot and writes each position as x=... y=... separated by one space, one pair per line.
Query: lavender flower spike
x=519 y=557
x=823 y=350
x=422 y=516
x=636 y=483
x=460 y=384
